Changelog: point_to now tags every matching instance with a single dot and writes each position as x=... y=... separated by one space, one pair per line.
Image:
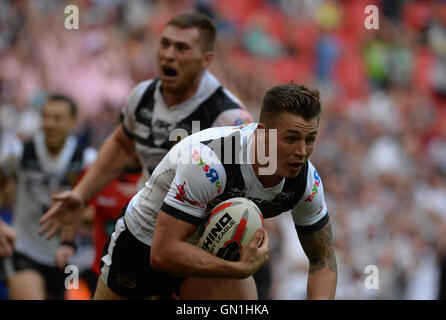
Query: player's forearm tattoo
x=318 y=247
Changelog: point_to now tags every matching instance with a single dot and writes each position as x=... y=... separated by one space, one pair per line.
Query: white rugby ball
x=229 y=228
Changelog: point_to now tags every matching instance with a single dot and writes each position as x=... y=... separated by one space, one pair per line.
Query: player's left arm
x=313 y=227
x=322 y=274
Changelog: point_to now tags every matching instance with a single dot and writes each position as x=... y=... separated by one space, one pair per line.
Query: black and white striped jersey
x=147 y=119
x=197 y=174
x=40 y=175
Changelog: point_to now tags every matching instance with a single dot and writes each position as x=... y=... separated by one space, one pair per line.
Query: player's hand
x=7 y=238
x=256 y=254
x=65 y=211
x=63 y=255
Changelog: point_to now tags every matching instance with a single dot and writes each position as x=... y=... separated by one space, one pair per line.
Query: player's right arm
x=172 y=254
x=115 y=154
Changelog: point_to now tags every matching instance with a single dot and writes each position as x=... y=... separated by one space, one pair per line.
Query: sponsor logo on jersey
x=210 y=172
x=316 y=185
x=181 y=196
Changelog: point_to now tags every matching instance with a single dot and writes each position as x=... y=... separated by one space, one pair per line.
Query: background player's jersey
x=39 y=176
x=192 y=179
x=147 y=119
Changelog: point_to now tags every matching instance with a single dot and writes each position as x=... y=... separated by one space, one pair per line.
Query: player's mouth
x=296 y=165
x=49 y=133
x=169 y=73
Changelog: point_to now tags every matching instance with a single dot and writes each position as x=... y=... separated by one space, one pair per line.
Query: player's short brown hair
x=196 y=20
x=292 y=98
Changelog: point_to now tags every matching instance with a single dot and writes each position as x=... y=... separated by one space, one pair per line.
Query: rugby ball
x=229 y=228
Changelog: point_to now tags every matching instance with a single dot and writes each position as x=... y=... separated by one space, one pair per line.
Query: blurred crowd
x=381 y=150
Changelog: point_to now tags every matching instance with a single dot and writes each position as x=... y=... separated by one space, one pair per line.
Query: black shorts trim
x=174 y=212
x=314 y=227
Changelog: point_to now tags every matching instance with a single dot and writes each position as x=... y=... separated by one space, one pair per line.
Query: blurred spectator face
x=295 y=142
x=181 y=59
x=57 y=122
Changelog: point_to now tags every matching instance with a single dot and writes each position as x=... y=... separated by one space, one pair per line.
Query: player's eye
x=291 y=139
x=164 y=43
x=310 y=139
x=181 y=46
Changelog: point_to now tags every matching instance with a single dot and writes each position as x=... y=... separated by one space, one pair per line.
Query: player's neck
x=172 y=98
x=267 y=181
x=260 y=148
x=54 y=150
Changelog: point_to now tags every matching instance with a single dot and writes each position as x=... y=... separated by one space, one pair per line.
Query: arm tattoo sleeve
x=318 y=247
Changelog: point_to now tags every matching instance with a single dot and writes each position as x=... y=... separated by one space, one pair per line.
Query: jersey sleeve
x=195 y=185
x=310 y=213
x=128 y=110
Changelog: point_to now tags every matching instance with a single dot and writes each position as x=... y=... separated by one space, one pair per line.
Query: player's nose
x=300 y=149
x=168 y=53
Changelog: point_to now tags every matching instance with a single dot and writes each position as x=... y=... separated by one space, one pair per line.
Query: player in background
x=184 y=92
x=49 y=163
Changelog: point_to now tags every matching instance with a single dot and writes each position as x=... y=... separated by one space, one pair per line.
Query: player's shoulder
x=313 y=174
x=232 y=97
x=314 y=185
x=209 y=135
x=137 y=93
x=206 y=150
x=194 y=149
x=221 y=96
x=311 y=207
x=81 y=151
x=11 y=148
x=199 y=174
x=223 y=99
x=29 y=146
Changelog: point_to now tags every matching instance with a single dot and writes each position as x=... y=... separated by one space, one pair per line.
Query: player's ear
x=208 y=58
